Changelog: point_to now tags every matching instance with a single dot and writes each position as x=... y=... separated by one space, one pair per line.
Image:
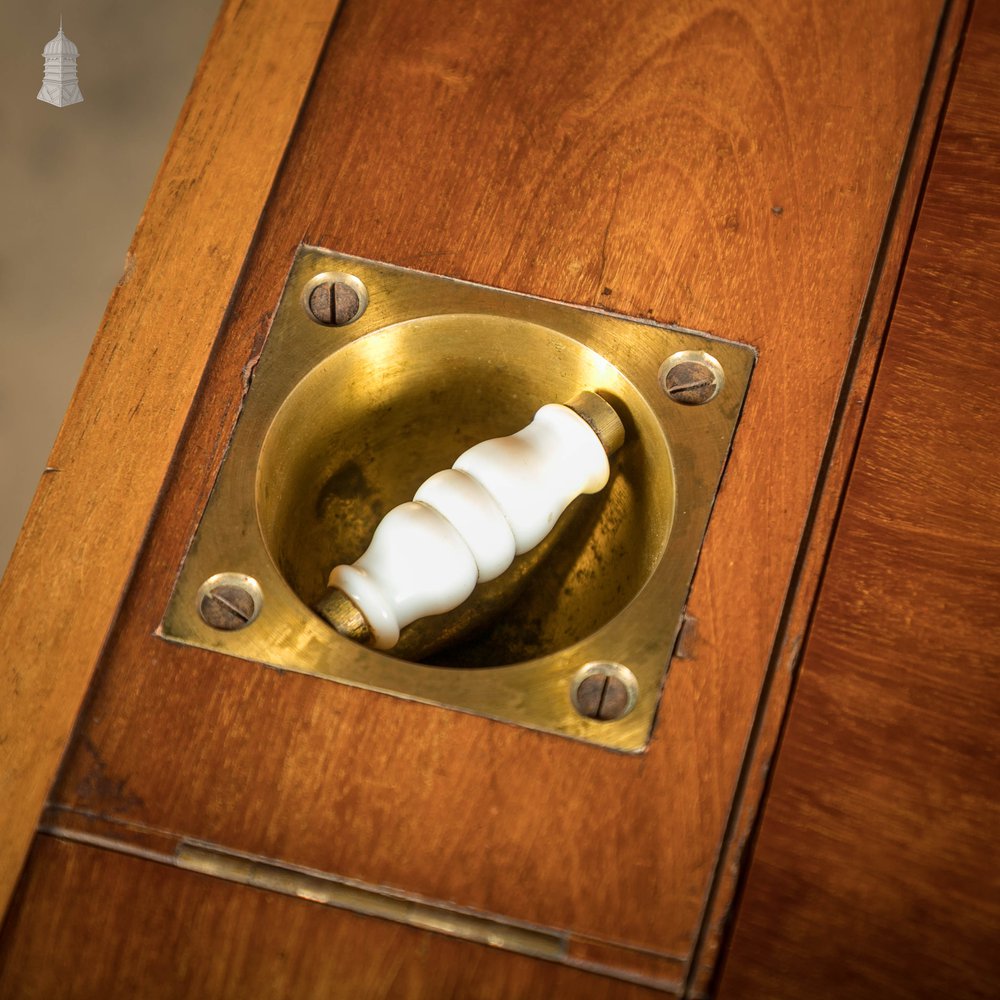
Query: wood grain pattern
x=631 y=158
x=83 y=533
x=875 y=872
x=815 y=543
x=142 y=929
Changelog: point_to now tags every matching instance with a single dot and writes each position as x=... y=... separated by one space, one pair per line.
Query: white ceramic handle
x=466 y=524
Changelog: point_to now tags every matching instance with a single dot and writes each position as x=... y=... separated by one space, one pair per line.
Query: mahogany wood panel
x=875 y=873
x=816 y=538
x=82 y=535
x=726 y=168
x=142 y=929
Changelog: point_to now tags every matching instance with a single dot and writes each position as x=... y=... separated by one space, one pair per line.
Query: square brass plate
x=342 y=423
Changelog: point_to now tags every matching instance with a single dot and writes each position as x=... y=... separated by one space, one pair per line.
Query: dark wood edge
x=942 y=296
x=831 y=487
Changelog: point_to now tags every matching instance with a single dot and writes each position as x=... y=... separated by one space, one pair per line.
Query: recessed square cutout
x=383 y=377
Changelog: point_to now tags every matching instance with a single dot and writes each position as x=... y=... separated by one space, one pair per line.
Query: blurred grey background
x=73 y=183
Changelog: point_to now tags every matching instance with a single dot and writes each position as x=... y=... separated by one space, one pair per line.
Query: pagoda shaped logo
x=60 y=86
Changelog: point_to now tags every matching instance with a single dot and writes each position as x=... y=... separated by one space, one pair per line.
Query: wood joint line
x=602 y=958
x=373 y=901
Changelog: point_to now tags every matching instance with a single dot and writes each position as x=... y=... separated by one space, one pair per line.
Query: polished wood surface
x=815 y=541
x=875 y=873
x=741 y=170
x=155 y=932
x=82 y=535
x=571 y=192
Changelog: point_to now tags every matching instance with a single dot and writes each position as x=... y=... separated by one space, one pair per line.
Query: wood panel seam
x=378 y=902
x=792 y=652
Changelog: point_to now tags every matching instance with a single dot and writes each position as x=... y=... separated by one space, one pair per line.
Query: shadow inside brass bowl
x=363 y=429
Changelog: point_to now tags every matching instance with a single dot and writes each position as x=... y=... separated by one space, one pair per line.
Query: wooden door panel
x=875 y=870
x=142 y=929
x=747 y=171
x=395 y=793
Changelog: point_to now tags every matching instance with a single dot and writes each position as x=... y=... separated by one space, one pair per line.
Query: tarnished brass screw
x=690 y=378
x=334 y=303
x=604 y=691
x=228 y=607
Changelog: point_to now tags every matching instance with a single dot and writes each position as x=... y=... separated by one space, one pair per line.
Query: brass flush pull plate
x=372 y=378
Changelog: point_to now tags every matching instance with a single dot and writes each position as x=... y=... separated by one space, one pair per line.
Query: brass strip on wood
x=319 y=887
x=606 y=958
x=329 y=890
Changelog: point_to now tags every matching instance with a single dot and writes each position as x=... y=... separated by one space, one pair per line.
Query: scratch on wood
x=260 y=337
x=128 y=270
x=687 y=638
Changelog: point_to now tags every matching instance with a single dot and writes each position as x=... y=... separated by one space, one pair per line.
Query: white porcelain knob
x=466 y=524
x=535 y=474
x=416 y=565
x=467 y=504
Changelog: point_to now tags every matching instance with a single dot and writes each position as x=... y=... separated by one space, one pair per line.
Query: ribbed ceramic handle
x=465 y=525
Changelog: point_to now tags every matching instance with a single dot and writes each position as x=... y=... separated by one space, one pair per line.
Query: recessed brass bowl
x=342 y=423
x=364 y=428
